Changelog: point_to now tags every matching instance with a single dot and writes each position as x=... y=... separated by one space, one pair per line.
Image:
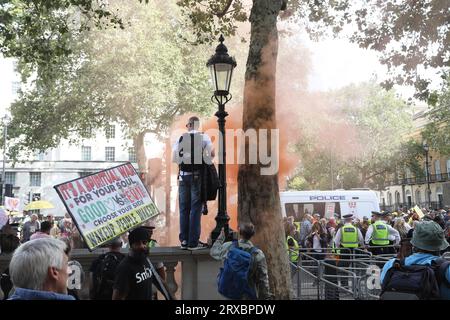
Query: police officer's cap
x=381 y=214
x=348 y=216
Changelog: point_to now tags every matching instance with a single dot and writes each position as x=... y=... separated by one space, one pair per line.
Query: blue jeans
x=190 y=209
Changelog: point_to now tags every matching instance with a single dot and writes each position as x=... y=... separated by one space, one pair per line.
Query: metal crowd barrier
x=446 y=256
x=349 y=275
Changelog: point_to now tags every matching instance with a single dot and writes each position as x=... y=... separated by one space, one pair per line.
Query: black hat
x=348 y=216
x=149 y=225
x=381 y=214
x=139 y=234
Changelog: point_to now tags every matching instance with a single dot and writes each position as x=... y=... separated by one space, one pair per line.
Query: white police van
x=359 y=202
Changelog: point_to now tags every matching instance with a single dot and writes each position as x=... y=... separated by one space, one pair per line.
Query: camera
x=205 y=209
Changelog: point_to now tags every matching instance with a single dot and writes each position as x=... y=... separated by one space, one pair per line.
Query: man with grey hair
x=305 y=229
x=39 y=270
x=30 y=227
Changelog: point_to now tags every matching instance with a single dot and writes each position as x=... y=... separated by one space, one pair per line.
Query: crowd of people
x=415 y=242
x=35 y=226
x=112 y=275
x=315 y=233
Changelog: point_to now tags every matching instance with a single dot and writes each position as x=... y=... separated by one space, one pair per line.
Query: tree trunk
x=363 y=178
x=259 y=200
x=138 y=143
x=168 y=163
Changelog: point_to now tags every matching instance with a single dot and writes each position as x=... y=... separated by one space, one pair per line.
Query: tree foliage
x=437 y=131
x=39 y=33
x=378 y=145
x=411 y=36
x=140 y=77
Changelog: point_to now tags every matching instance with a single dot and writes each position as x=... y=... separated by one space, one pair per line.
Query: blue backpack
x=232 y=280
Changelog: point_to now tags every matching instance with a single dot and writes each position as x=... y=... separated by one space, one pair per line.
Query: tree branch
x=375 y=174
x=225 y=10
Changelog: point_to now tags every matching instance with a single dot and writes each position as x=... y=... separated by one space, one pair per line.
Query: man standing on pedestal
x=189 y=151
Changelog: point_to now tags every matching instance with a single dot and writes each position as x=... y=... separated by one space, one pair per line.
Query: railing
x=441 y=177
x=434 y=205
x=190 y=275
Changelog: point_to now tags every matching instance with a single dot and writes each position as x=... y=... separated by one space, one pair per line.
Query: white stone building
x=36 y=177
x=407 y=190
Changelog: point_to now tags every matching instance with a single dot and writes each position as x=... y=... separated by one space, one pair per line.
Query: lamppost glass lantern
x=221 y=66
x=426 y=147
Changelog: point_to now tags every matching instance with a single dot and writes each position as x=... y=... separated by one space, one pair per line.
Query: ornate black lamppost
x=221 y=66
x=6 y=119
x=426 y=148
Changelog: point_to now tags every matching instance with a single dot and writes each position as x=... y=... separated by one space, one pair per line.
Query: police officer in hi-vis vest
x=348 y=237
x=380 y=235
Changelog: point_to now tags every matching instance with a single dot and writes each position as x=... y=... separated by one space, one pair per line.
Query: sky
x=335 y=64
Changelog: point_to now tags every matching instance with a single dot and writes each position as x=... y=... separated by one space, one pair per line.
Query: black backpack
x=105 y=274
x=190 y=161
x=5 y=283
x=414 y=282
x=190 y=152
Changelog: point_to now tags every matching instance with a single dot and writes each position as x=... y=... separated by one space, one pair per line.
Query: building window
x=85 y=153
x=110 y=132
x=16 y=87
x=10 y=178
x=408 y=173
x=437 y=168
x=35 y=179
x=448 y=168
x=397 y=198
x=132 y=155
x=418 y=197
x=110 y=154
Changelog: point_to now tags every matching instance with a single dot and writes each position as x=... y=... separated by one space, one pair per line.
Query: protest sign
x=329 y=209
x=418 y=211
x=12 y=204
x=107 y=204
x=3 y=218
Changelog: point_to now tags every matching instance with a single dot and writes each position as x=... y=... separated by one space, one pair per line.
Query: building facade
x=35 y=177
x=407 y=190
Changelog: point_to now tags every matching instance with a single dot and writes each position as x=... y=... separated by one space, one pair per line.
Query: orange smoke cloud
x=298 y=114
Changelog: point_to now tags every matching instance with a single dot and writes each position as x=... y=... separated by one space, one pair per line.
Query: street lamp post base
x=221 y=223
